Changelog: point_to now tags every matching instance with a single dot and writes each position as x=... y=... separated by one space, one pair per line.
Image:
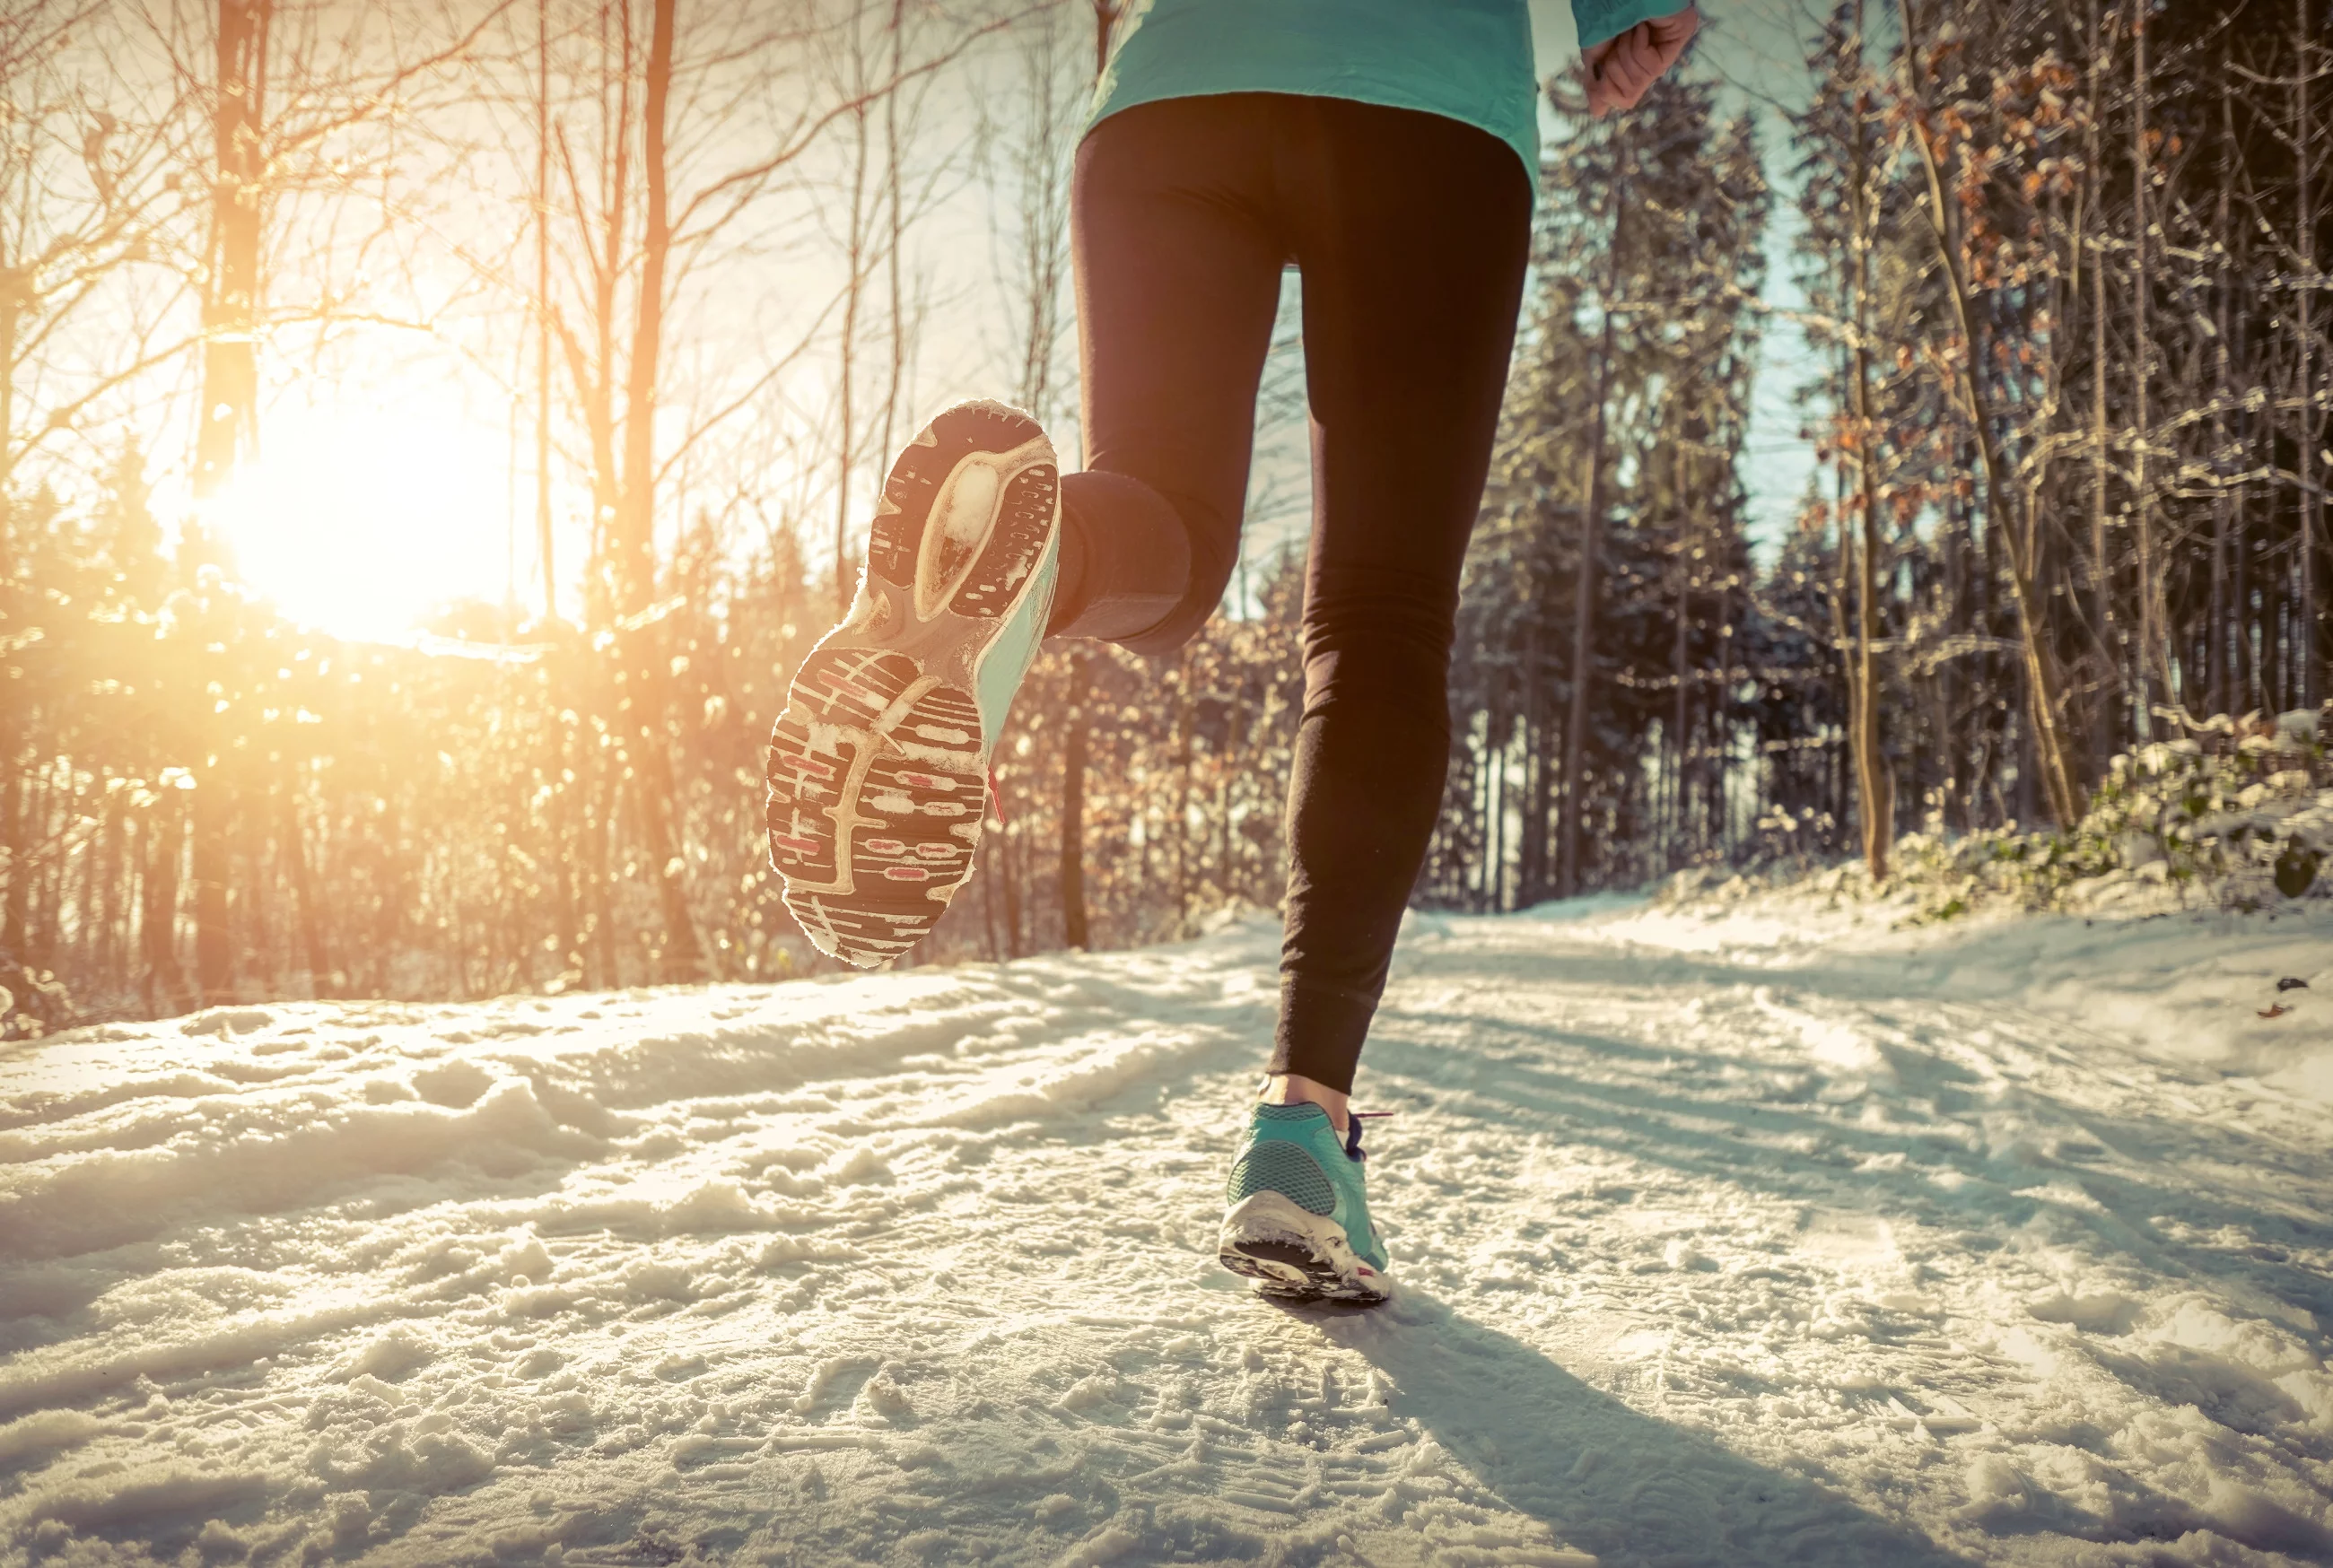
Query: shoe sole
x=1295 y=1255
x=877 y=770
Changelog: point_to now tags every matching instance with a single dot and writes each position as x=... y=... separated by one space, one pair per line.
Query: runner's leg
x=1412 y=231
x=1179 y=259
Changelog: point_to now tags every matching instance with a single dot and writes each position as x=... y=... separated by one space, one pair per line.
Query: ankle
x=1126 y=558
x=1069 y=579
x=1296 y=1089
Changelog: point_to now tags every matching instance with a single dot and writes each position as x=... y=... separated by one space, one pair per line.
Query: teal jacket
x=1465 y=60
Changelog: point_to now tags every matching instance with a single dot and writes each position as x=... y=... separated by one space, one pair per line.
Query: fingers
x=1591 y=64
x=1626 y=71
x=1675 y=31
x=1670 y=34
x=1599 y=97
x=1641 y=66
x=1622 y=70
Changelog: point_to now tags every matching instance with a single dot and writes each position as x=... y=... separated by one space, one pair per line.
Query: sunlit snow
x=1732 y=1232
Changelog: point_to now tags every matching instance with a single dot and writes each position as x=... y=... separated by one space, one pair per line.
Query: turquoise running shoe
x=1298 y=1224
x=877 y=770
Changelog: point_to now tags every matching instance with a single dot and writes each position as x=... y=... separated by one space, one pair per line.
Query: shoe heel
x=907 y=550
x=1295 y=1254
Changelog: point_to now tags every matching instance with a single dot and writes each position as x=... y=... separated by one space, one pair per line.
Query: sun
x=361 y=515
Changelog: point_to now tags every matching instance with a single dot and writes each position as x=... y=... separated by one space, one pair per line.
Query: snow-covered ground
x=1742 y=1232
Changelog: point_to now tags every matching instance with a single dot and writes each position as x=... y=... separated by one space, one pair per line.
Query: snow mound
x=1744 y=1231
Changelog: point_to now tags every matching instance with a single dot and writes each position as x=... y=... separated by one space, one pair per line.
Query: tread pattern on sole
x=1025 y=510
x=872 y=837
x=1294 y=1255
x=1291 y=1271
x=877 y=770
x=1025 y=516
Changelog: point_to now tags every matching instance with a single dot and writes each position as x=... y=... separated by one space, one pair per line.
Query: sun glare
x=360 y=518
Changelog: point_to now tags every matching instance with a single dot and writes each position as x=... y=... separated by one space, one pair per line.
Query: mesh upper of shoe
x=1284 y=1168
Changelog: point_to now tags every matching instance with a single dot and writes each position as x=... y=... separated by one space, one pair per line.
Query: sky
x=1751 y=47
x=393 y=481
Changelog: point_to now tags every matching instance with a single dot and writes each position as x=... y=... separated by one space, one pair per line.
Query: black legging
x=1411 y=231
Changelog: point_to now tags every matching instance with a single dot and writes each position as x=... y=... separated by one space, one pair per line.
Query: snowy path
x=1756 y=1235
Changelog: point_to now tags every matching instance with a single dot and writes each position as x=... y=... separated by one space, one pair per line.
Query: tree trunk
x=1532 y=875
x=1583 y=601
x=165 y=842
x=213 y=943
x=1073 y=807
x=1185 y=713
x=2154 y=658
x=543 y=312
x=2045 y=687
x=1494 y=838
x=320 y=979
x=2105 y=732
x=1842 y=592
x=1875 y=784
x=1680 y=789
x=1959 y=775
x=2307 y=149
x=247 y=899
x=598 y=823
x=16 y=838
x=854 y=289
x=564 y=826
x=1009 y=863
x=226 y=431
x=2223 y=698
x=683 y=956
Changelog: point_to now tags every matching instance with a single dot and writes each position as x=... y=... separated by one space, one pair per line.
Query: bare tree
x=1866 y=179
x=2019 y=527
x=644 y=209
x=280 y=88
x=1591 y=529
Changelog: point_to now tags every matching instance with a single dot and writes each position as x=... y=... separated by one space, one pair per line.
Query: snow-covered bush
x=2240 y=813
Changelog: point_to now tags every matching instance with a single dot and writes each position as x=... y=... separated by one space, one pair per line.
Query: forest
x=2058 y=268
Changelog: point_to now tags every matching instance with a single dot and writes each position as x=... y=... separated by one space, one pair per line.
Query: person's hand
x=1621 y=70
